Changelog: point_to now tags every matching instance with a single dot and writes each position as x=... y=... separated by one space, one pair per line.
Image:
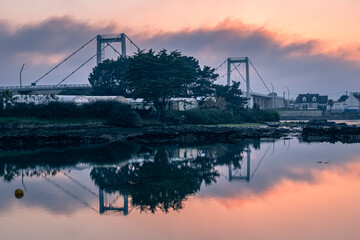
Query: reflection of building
x=185 y=153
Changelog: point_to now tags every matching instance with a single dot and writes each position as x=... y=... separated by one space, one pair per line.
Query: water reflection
x=112 y=179
x=148 y=178
x=211 y=191
x=161 y=184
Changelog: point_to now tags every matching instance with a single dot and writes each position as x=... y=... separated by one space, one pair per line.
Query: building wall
x=352 y=102
x=297 y=114
x=266 y=102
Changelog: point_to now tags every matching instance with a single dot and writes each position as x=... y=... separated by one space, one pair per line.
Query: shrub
x=174 y=117
x=116 y=113
x=54 y=110
x=257 y=115
x=208 y=116
x=99 y=109
x=123 y=116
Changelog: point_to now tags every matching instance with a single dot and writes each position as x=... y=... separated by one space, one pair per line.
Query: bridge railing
x=61 y=86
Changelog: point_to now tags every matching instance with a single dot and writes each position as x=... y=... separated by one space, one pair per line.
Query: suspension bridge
x=232 y=69
x=103 y=42
x=239 y=69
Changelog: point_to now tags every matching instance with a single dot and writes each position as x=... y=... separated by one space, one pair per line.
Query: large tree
x=203 y=87
x=107 y=78
x=232 y=94
x=158 y=77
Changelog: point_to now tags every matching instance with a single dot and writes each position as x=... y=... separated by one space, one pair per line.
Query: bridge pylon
x=240 y=60
x=109 y=38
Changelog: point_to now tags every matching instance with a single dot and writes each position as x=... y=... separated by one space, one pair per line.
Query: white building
x=350 y=105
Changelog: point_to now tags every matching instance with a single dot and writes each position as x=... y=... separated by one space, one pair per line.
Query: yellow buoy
x=19 y=193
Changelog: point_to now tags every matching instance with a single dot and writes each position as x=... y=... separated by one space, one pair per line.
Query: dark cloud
x=41 y=45
x=297 y=65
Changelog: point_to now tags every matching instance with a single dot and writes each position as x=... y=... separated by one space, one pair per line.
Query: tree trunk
x=161 y=107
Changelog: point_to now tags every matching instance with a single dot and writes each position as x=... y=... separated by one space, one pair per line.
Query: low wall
x=300 y=114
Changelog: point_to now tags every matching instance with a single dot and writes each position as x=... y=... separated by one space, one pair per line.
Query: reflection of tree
x=158 y=185
x=49 y=162
x=9 y=172
x=226 y=154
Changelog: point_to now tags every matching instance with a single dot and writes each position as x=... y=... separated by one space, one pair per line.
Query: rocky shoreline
x=33 y=136
x=324 y=131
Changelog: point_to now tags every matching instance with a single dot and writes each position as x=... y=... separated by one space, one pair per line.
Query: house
x=337 y=107
x=310 y=101
x=352 y=104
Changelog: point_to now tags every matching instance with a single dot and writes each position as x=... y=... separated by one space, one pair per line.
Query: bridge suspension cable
x=259 y=76
x=236 y=67
x=230 y=71
x=57 y=65
x=133 y=43
x=70 y=194
x=220 y=65
x=75 y=52
x=114 y=49
x=92 y=57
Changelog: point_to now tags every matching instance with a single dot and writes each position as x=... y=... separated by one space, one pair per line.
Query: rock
x=324 y=131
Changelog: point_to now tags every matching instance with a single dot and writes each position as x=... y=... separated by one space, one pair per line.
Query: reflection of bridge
x=109 y=207
x=112 y=202
x=236 y=176
x=104 y=204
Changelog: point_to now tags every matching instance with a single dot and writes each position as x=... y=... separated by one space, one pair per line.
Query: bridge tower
x=103 y=208
x=247 y=178
x=240 y=60
x=101 y=39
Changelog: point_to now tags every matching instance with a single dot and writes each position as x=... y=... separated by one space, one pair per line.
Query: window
x=304 y=99
x=314 y=99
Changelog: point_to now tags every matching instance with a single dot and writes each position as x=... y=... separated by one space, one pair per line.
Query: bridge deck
x=46 y=87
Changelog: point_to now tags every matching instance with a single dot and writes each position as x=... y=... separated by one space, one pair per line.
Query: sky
x=304 y=46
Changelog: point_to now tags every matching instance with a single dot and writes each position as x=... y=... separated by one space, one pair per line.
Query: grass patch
x=33 y=120
x=235 y=125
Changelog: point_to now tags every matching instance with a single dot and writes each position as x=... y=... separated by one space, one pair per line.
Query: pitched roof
x=357 y=95
x=323 y=99
x=309 y=98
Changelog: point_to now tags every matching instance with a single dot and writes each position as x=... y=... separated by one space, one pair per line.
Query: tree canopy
x=158 y=77
x=108 y=77
x=232 y=94
x=204 y=85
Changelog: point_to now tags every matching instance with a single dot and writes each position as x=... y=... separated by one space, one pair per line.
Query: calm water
x=266 y=189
